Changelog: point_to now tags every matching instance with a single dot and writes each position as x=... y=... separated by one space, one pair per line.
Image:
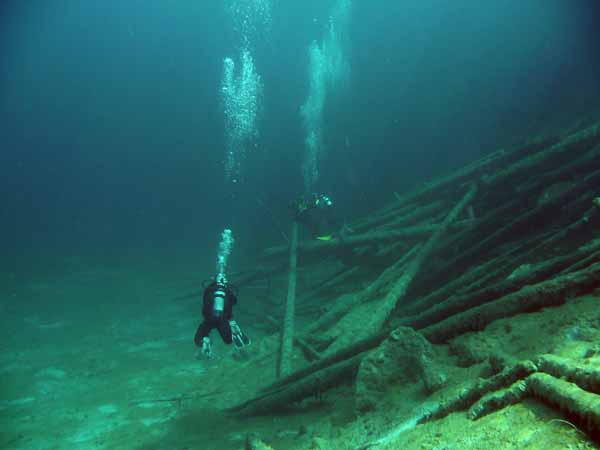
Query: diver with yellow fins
x=315 y=212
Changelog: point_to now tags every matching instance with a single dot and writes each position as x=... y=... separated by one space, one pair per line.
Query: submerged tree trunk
x=287 y=332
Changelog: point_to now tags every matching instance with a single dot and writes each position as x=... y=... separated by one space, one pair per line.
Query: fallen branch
x=536 y=274
x=530 y=298
x=313 y=384
x=372 y=238
x=338 y=279
x=567 y=148
x=550 y=380
x=473 y=391
x=563 y=395
x=565 y=172
x=585 y=377
x=412 y=217
x=299 y=341
x=437 y=188
x=460 y=400
x=344 y=354
x=179 y=398
x=380 y=217
x=530 y=219
x=479 y=275
x=397 y=292
x=366 y=294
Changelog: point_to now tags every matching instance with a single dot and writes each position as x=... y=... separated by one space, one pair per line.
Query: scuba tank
x=219 y=301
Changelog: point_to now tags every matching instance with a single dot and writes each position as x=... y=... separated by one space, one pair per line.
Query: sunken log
x=530 y=298
x=284 y=365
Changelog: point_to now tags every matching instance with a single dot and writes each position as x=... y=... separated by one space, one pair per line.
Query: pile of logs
x=508 y=234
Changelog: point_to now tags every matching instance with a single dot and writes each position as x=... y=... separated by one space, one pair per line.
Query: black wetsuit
x=317 y=217
x=217 y=310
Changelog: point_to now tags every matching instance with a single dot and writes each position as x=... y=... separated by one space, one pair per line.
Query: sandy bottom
x=103 y=359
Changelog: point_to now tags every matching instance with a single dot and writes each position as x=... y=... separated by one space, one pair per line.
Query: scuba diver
x=217 y=311
x=314 y=211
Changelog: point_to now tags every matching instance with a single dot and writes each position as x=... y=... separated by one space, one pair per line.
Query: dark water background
x=111 y=127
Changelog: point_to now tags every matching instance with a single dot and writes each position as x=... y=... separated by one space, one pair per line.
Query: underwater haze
x=113 y=134
x=134 y=132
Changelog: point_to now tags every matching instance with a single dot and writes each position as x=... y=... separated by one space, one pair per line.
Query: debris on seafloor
x=381 y=315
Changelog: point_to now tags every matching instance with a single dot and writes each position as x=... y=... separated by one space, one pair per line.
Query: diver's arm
x=208 y=294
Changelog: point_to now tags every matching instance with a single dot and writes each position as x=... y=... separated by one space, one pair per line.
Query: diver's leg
x=240 y=339
x=225 y=331
x=202 y=340
x=202 y=332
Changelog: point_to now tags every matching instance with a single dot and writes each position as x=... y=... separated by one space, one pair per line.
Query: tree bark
x=553 y=292
x=287 y=332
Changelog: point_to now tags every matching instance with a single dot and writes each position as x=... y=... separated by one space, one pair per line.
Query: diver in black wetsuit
x=217 y=311
x=315 y=212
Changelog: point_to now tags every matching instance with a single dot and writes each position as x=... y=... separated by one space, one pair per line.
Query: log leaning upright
x=287 y=333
